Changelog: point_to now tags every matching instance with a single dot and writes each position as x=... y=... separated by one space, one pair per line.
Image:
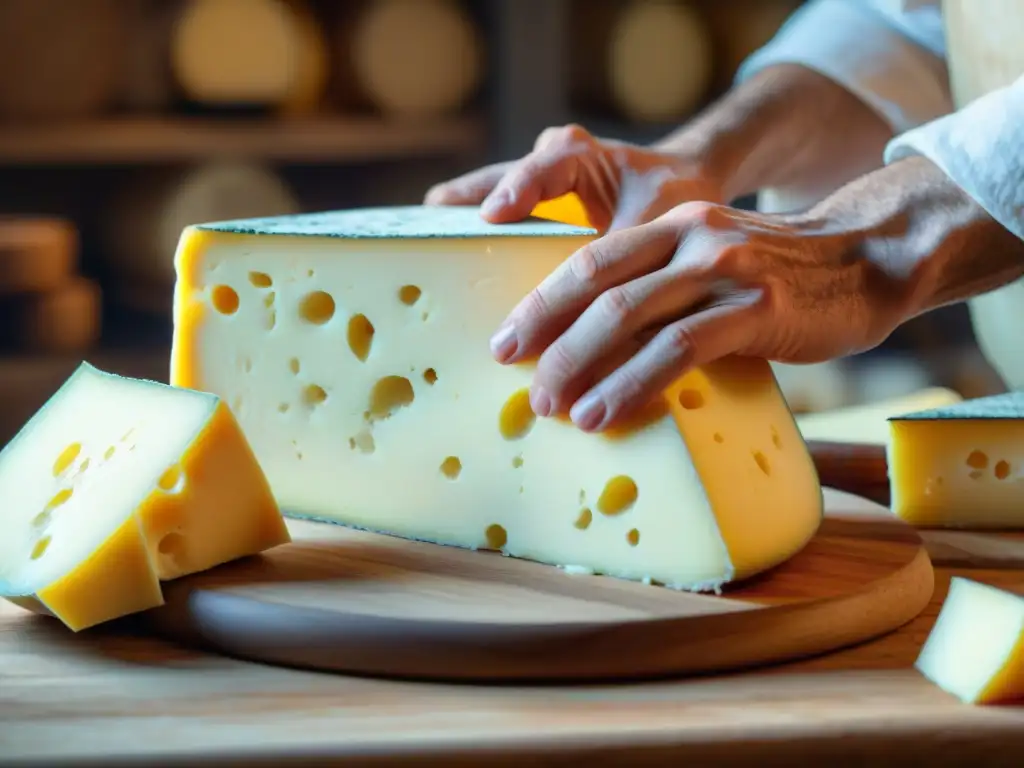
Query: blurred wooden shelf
x=159 y=140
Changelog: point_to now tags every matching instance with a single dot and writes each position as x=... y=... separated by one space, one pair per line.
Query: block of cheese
x=37 y=253
x=960 y=465
x=869 y=422
x=975 y=650
x=66 y=319
x=567 y=209
x=118 y=484
x=353 y=348
x=249 y=52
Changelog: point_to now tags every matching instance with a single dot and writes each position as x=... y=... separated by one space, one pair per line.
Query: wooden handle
x=858 y=468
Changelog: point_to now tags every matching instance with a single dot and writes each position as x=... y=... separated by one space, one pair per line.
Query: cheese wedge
x=118 y=484
x=353 y=348
x=975 y=650
x=961 y=465
x=869 y=422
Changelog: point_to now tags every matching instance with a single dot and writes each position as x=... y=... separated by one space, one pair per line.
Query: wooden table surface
x=110 y=697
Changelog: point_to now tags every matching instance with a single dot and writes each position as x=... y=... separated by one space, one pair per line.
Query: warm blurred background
x=121 y=121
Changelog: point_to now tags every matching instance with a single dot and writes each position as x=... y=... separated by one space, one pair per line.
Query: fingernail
x=588 y=412
x=495 y=202
x=540 y=402
x=504 y=343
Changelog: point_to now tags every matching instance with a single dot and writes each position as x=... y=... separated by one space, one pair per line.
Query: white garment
x=892 y=55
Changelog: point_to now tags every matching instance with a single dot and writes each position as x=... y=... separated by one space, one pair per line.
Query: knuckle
x=616 y=305
x=678 y=340
x=696 y=212
x=535 y=307
x=563 y=137
x=728 y=259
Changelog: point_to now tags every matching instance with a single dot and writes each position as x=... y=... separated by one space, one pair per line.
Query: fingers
x=720 y=330
x=617 y=317
x=545 y=313
x=470 y=189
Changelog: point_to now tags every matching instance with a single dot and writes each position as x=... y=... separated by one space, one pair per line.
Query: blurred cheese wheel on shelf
x=740 y=27
x=37 y=253
x=65 y=319
x=265 y=53
x=648 y=60
x=145 y=221
x=60 y=59
x=815 y=387
x=412 y=58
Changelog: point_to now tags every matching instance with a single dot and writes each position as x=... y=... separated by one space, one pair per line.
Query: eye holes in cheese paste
x=619 y=494
x=317 y=307
x=586 y=517
x=66 y=458
x=409 y=294
x=313 y=395
x=691 y=399
x=260 y=279
x=225 y=299
x=762 y=462
x=360 y=336
x=172 y=480
x=388 y=396
x=430 y=376
x=496 y=536
x=517 y=417
x=451 y=467
x=41 y=546
x=633 y=537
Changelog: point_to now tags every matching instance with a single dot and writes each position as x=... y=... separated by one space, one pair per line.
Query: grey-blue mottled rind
x=400 y=222
x=1009 y=405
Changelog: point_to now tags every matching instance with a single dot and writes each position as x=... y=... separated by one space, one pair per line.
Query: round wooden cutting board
x=356 y=602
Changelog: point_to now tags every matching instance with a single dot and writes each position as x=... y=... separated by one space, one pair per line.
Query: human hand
x=620 y=185
x=629 y=313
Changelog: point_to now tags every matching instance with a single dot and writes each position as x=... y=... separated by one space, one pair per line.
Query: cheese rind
x=353 y=347
x=960 y=466
x=118 y=484
x=975 y=650
x=869 y=422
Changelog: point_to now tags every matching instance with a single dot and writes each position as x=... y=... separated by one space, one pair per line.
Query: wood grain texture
x=364 y=603
x=113 y=696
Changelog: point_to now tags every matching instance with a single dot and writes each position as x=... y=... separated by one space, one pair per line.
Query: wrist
x=782 y=127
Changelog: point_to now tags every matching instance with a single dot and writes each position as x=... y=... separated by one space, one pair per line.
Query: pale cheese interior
x=279 y=327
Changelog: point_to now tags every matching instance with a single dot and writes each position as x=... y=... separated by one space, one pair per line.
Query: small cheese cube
x=353 y=348
x=975 y=651
x=118 y=484
x=960 y=465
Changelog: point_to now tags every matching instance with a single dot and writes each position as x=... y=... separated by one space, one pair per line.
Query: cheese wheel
x=36 y=253
x=146 y=219
x=649 y=60
x=265 y=53
x=740 y=27
x=60 y=59
x=414 y=58
x=815 y=387
x=66 y=319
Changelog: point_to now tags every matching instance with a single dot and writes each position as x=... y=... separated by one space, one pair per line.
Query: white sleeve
x=979 y=148
x=889 y=54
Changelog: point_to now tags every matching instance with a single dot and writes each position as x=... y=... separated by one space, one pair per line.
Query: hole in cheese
x=363 y=441
x=633 y=537
x=293 y=366
x=66 y=458
x=127 y=434
x=40 y=548
x=517 y=417
x=172 y=546
x=762 y=462
x=451 y=467
x=247 y=365
x=389 y=395
x=1002 y=470
x=260 y=279
x=360 y=336
x=430 y=376
x=718 y=437
x=976 y=474
x=313 y=395
x=409 y=294
x=283 y=407
x=225 y=299
x=585 y=518
x=496 y=535
x=172 y=480
x=776 y=440
x=109 y=453
x=268 y=300
x=83 y=467
x=583 y=496
x=517 y=461
x=59 y=498
x=691 y=399
x=42 y=519
x=619 y=494
x=425 y=316
x=317 y=307
x=977 y=460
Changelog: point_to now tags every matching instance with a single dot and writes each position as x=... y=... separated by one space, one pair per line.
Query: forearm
x=914 y=228
x=781 y=127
